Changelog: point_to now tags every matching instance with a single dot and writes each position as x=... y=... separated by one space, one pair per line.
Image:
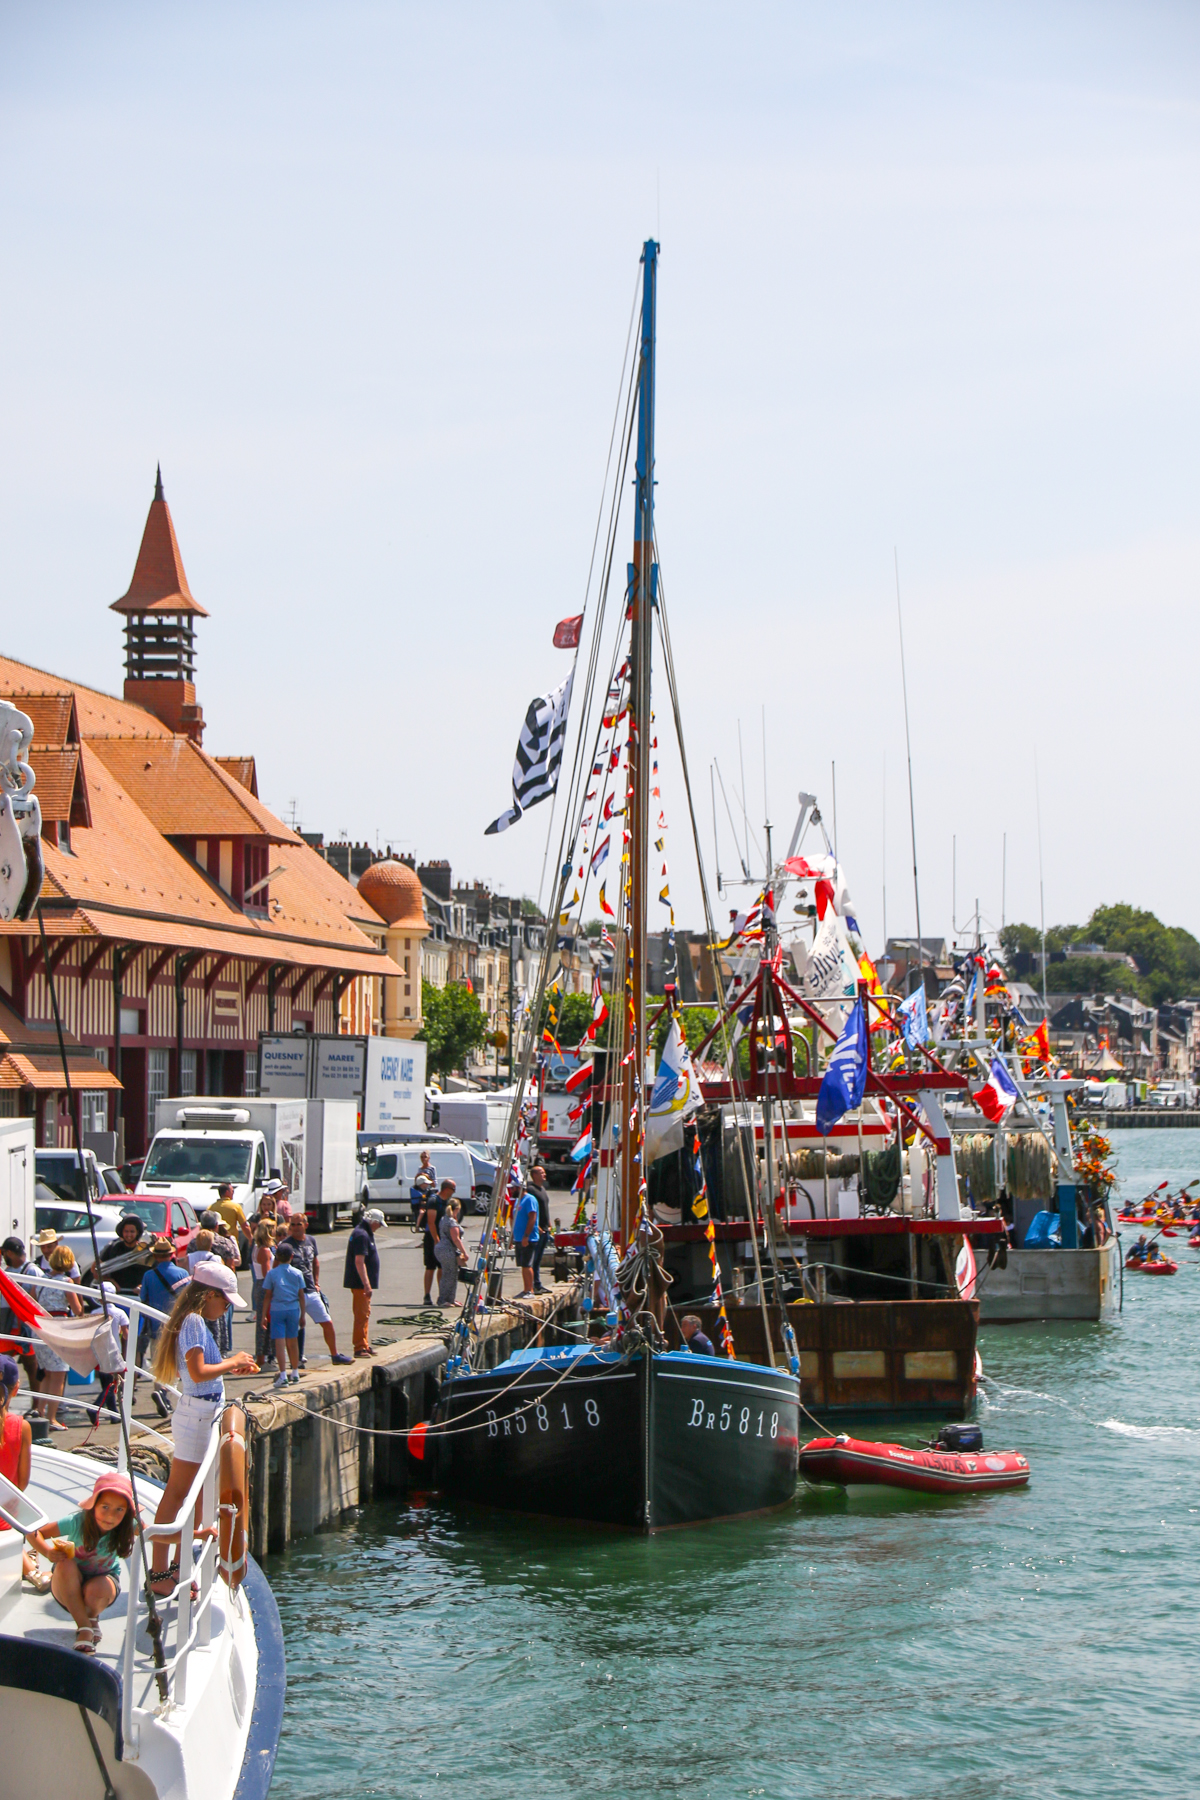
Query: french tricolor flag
x=997 y=1094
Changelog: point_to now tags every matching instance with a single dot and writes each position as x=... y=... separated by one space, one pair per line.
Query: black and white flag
x=539 y=754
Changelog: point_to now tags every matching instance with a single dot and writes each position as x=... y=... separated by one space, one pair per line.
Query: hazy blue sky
x=360 y=276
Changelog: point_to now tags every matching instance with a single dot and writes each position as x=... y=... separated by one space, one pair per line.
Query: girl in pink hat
x=86 y=1551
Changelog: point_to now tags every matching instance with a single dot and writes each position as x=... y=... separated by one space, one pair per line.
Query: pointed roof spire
x=159 y=584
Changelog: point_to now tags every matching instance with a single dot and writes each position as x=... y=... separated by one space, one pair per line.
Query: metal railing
x=193 y=1618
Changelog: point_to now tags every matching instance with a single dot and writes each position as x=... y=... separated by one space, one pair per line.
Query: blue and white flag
x=914 y=1018
x=675 y=1097
x=845 y=1078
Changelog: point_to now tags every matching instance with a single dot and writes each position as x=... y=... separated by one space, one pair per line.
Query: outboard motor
x=959 y=1440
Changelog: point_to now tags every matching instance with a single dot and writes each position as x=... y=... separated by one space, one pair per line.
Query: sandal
x=97 y=1634
x=85 y=1641
x=171 y=1574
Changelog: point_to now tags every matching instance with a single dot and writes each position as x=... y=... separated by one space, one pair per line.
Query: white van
x=392 y=1168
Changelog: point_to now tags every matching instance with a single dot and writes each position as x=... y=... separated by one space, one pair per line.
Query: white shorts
x=315 y=1309
x=191 y=1426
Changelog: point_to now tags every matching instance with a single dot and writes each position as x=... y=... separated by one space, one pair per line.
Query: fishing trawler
x=626 y=1431
x=1062 y=1255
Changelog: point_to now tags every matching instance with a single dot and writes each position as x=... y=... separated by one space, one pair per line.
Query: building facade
x=182 y=918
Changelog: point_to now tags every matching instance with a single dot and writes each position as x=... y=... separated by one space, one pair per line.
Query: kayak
x=1194 y=1241
x=1162 y=1265
x=849 y=1461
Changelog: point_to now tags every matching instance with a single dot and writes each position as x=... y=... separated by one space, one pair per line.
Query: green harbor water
x=1043 y=1643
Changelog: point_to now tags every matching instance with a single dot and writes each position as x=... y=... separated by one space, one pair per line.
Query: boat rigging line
x=912 y=812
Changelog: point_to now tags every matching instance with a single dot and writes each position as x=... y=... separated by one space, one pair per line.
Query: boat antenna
x=766 y=802
x=954 y=884
x=885 y=935
x=729 y=815
x=1003 y=879
x=712 y=783
x=1037 y=790
x=745 y=813
x=912 y=813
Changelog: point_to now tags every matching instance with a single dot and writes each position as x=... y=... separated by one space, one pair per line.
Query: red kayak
x=849 y=1461
x=1194 y=1241
x=1162 y=1265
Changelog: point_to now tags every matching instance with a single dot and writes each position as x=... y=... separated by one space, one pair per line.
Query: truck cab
x=206 y=1148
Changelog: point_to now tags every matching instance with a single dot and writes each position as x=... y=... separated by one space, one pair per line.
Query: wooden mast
x=643 y=584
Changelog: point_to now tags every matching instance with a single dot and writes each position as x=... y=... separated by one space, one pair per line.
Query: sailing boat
x=626 y=1432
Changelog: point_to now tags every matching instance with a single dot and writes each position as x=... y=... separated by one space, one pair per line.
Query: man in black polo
x=361 y=1276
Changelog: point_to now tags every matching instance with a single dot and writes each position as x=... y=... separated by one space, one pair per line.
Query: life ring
x=233 y=1510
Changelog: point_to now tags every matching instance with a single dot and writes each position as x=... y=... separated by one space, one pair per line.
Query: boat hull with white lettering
x=645 y=1442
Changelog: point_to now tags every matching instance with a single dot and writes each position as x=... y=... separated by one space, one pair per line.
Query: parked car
x=391 y=1170
x=111 y=1179
x=59 y=1169
x=70 y=1220
x=483 y=1157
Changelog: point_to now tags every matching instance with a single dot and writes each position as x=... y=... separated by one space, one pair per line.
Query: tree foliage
x=454 y=1025
x=1167 y=957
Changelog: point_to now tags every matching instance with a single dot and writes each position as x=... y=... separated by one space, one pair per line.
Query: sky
x=360 y=276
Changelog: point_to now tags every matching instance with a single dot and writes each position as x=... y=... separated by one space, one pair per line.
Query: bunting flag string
x=700 y=1210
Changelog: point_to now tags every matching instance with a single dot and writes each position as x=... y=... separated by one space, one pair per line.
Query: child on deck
x=86 y=1550
x=283 y=1301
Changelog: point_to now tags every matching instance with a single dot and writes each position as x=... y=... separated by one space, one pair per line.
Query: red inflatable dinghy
x=849 y=1461
x=1162 y=1265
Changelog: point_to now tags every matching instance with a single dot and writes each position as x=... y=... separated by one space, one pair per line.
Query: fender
x=233 y=1509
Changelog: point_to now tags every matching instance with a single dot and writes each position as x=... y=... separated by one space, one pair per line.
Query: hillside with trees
x=1166 y=958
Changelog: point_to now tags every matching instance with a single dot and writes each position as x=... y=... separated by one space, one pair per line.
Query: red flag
x=566 y=633
x=1041 y=1038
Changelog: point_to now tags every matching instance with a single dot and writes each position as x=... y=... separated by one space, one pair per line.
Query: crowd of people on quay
x=194 y=1283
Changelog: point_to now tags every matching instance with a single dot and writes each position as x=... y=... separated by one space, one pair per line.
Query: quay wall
x=1152 y=1118
x=312 y=1453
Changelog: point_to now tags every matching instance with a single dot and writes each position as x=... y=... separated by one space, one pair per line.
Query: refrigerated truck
x=310 y=1144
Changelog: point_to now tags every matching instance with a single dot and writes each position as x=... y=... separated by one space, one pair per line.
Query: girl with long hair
x=186 y=1355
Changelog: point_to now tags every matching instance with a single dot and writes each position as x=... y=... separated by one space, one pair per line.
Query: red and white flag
x=599 y=1008
x=566 y=633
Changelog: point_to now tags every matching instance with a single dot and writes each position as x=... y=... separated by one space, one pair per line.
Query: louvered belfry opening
x=160 y=627
x=160 y=647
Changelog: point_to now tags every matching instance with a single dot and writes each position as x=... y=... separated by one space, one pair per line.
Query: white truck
x=17 y=1178
x=309 y=1144
x=385 y=1077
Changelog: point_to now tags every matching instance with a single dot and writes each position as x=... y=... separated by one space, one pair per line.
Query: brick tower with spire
x=160 y=615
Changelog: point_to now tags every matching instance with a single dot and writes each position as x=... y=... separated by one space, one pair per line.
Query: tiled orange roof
x=56 y=771
x=53 y=718
x=159 y=583
x=242 y=769
x=43 y=1068
x=185 y=793
x=99 y=714
x=124 y=880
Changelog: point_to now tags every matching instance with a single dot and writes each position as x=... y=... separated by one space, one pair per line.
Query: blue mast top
x=643 y=530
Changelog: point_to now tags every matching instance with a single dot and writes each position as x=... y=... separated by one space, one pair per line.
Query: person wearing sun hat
x=86 y=1551
x=187 y=1356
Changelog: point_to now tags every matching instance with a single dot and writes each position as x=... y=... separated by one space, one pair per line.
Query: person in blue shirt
x=525 y=1235
x=160 y=1285
x=283 y=1309
x=693 y=1338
